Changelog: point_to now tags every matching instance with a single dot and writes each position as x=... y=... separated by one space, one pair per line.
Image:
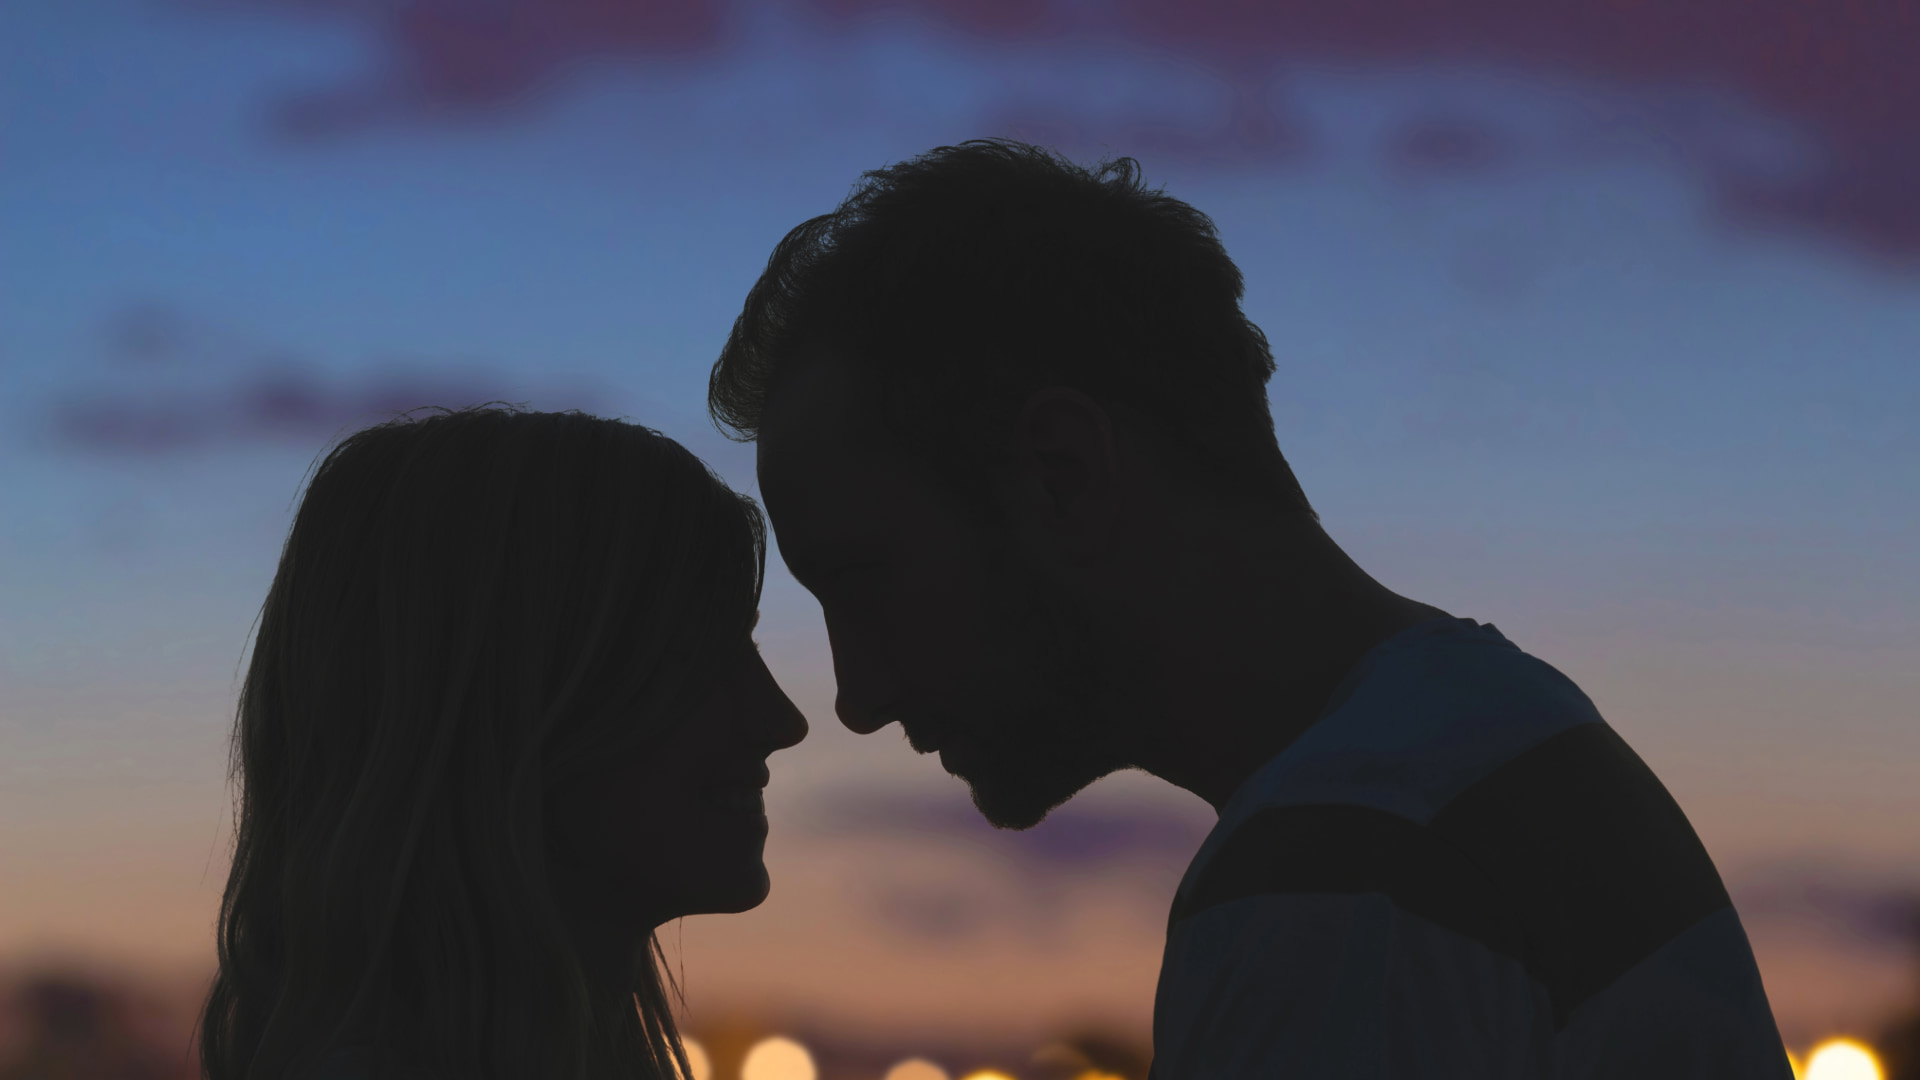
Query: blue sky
x=1549 y=384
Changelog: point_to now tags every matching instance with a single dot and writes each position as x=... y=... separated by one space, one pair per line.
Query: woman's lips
x=745 y=799
x=737 y=790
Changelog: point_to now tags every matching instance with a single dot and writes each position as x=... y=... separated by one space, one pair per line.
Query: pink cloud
x=1006 y=20
x=446 y=58
x=1842 y=71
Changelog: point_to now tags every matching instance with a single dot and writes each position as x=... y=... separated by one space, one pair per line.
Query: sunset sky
x=1593 y=323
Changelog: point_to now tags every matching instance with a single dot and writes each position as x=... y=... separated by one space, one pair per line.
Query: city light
x=697 y=1059
x=778 y=1058
x=1843 y=1059
x=916 y=1069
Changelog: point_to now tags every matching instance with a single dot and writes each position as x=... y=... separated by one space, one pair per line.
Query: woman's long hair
x=471 y=609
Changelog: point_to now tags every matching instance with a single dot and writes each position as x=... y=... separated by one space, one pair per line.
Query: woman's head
x=503 y=686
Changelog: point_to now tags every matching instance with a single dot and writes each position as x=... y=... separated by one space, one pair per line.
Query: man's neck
x=1259 y=667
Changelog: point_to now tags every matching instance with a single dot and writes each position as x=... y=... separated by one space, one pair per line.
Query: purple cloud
x=287 y=404
x=71 y=1022
x=935 y=914
x=1842 y=73
x=451 y=58
x=1075 y=837
x=1445 y=145
x=1141 y=848
x=174 y=384
x=147 y=333
x=1872 y=909
x=1253 y=130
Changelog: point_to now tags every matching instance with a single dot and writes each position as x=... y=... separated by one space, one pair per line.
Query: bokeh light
x=916 y=1069
x=987 y=1074
x=1843 y=1059
x=697 y=1059
x=778 y=1058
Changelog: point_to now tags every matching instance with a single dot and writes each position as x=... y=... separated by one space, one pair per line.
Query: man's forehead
x=820 y=418
x=827 y=476
x=818 y=466
x=810 y=403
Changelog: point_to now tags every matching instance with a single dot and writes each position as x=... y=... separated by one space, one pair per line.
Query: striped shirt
x=1459 y=871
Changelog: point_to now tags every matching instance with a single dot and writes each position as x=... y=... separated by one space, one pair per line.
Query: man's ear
x=1066 y=465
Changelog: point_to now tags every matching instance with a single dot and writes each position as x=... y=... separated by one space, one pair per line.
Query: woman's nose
x=781 y=719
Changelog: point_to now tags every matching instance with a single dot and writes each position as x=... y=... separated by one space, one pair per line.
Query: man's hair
x=967 y=278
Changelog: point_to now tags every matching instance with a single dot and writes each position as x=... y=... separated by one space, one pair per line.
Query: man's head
x=957 y=378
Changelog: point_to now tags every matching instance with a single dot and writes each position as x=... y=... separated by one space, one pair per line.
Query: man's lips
x=959 y=757
x=928 y=742
x=956 y=753
x=923 y=740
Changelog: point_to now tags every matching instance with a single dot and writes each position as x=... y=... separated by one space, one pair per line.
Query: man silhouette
x=1014 y=436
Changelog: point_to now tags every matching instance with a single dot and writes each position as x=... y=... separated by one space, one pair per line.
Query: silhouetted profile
x=1014 y=436
x=504 y=717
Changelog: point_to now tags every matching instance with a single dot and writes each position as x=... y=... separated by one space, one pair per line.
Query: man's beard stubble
x=1059 y=731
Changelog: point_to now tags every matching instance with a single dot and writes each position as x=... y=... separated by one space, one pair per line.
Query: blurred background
x=1595 y=320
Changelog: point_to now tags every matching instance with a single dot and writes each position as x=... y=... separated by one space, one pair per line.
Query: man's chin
x=1024 y=803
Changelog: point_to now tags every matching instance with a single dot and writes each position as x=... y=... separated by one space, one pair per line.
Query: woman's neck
x=609 y=954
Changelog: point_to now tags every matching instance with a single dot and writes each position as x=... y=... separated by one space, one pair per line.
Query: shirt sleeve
x=1317 y=987
x=1695 y=1009
x=1313 y=986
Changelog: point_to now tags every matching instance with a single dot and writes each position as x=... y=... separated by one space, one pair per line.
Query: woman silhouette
x=503 y=718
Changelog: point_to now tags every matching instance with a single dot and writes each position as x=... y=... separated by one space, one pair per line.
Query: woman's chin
x=744 y=892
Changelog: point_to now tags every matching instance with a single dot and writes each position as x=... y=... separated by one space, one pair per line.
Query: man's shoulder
x=1475 y=786
x=1432 y=713
x=1592 y=853
x=1569 y=858
x=1469 y=799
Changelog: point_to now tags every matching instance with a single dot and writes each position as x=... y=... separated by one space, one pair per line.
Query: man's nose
x=861 y=720
x=863 y=688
